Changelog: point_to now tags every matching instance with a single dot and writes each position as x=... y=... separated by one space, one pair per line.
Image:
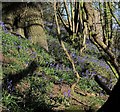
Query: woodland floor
x=53 y=67
x=79 y=101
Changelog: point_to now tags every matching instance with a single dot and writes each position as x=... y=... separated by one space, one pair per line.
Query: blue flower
x=29 y=38
x=1 y=24
x=65 y=94
x=51 y=96
x=9 y=86
x=69 y=91
x=19 y=47
x=15 y=43
x=3 y=27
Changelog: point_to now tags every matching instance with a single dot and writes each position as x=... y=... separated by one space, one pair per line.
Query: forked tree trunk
x=113 y=102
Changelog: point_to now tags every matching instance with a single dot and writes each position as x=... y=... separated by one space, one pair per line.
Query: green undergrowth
x=33 y=87
x=32 y=90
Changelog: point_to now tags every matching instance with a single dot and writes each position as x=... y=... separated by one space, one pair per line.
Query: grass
x=33 y=90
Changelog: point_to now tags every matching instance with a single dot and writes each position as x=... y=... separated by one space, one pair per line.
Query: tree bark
x=113 y=102
x=102 y=85
x=26 y=20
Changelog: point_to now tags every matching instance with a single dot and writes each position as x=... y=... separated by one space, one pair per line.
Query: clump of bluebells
x=51 y=67
x=2 y=25
x=10 y=87
x=20 y=52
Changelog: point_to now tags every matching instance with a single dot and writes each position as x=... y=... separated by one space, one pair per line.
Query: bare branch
x=111 y=11
x=65 y=50
x=68 y=15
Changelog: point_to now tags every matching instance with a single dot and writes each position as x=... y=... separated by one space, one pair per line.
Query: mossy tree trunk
x=25 y=19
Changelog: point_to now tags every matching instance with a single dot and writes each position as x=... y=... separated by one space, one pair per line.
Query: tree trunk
x=26 y=20
x=113 y=102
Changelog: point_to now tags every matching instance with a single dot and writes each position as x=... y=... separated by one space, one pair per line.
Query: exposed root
x=78 y=91
x=77 y=100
